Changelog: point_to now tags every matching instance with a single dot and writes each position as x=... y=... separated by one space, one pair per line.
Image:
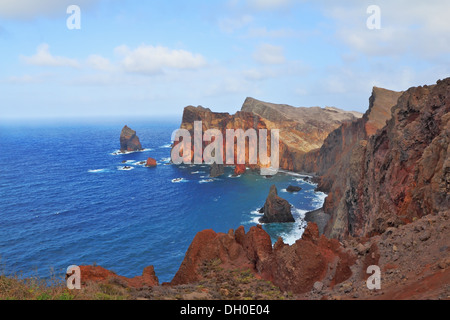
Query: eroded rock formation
x=129 y=141
x=293 y=268
x=276 y=209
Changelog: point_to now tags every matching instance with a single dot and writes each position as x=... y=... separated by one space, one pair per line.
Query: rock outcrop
x=276 y=209
x=99 y=274
x=293 y=268
x=129 y=141
x=151 y=163
x=293 y=189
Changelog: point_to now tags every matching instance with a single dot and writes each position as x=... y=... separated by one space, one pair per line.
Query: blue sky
x=152 y=58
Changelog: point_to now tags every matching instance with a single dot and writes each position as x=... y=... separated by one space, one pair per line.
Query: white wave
x=119 y=152
x=233 y=176
x=166 y=160
x=319 y=199
x=126 y=168
x=97 y=170
x=166 y=146
x=298 y=227
x=139 y=163
x=206 y=181
x=129 y=162
x=283 y=190
x=178 y=180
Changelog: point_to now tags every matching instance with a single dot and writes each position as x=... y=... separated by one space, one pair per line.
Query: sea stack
x=129 y=141
x=216 y=170
x=276 y=209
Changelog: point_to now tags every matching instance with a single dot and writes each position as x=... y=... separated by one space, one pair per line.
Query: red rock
x=292 y=268
x=240 y=169
x=99 y=274
x=151 y=163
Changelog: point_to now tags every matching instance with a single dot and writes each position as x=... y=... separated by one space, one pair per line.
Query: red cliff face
x=292 y=268
x=381 y=176
x=301 y=129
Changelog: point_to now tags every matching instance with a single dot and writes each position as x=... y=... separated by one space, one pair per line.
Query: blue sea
x=67 y=198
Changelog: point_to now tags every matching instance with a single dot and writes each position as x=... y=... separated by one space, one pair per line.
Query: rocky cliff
x=301 y=129
x=382 y=174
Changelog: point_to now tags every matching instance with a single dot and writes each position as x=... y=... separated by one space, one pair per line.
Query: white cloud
x=263 y=32
x=269 y=4
x=98 y=62
x=230 y=25
x=409 y=27
x=30 y=9
x=153 y=60
x=44 y=58
x=269 y=54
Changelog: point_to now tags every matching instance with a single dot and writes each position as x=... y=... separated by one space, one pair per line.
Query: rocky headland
x=301 y=129
x=387 y=175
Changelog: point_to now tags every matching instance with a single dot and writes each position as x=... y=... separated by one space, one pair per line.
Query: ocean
x=67 y=198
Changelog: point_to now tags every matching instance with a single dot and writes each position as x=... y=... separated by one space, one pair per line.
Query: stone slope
x=382 y=177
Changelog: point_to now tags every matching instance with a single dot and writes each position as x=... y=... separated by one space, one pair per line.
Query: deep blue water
x=64 y=200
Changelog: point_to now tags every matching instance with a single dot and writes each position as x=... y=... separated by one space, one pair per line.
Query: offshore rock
x=216 y=170
x=129 y=141
x=276 y=209
x=151 y=163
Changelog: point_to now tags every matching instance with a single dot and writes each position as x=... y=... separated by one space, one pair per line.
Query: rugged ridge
x=292 y=268
x=301 y=129
x=380 y=176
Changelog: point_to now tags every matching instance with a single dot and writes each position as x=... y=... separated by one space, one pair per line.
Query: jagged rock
x=216 y=170
x=129 y=141
x=276 y=209
x=293 y=268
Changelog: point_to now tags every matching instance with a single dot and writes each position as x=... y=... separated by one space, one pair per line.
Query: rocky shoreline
x=387 y=176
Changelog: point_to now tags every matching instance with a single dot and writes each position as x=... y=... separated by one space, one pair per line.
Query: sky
x=144 y=59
